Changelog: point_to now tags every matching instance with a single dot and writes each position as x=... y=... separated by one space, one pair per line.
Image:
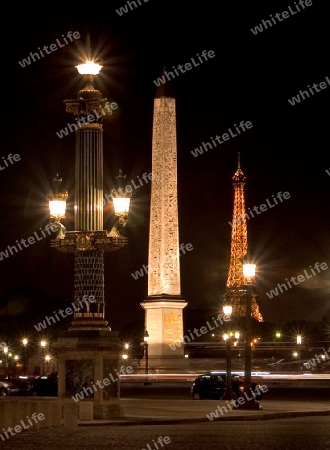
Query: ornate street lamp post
x=89 y=344
x=250 y=402
x=8 y=356
x=230 y=338
x=229 y=394
x=89 y=241
x=25 y=343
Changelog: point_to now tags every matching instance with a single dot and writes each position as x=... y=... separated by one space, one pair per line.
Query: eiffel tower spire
x=239 y=249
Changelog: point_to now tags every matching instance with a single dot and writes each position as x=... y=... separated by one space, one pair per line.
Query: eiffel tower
x=236 y=280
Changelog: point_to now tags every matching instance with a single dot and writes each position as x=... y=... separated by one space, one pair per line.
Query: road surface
x=309 y=433
x=180 y=390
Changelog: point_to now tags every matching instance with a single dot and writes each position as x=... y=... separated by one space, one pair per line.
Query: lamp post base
x=247 y=401
x=229 y=395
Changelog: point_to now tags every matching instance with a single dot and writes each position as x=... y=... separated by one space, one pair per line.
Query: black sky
x=250 y=79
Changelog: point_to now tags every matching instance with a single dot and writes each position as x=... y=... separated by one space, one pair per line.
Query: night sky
x=250 y=78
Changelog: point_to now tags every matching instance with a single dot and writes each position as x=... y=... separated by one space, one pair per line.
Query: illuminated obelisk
x=164 y=304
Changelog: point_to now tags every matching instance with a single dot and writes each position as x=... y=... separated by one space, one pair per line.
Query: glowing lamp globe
x=227 y=310
x=121 y=205
x=57 y=208
x=57 y=200
x=146 y=336
x=249 y=270
x=89 y=68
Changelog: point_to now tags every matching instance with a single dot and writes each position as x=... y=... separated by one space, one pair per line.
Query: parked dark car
x=4 y=388
x=212 y=385
x=15 y=386
x=44 y=385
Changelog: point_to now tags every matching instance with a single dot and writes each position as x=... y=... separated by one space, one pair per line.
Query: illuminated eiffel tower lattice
x=239 y=248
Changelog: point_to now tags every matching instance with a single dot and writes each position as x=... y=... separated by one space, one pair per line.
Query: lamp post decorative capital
x=86 y=241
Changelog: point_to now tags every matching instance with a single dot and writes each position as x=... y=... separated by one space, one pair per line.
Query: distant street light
x=47 y=361
x=126 y=348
